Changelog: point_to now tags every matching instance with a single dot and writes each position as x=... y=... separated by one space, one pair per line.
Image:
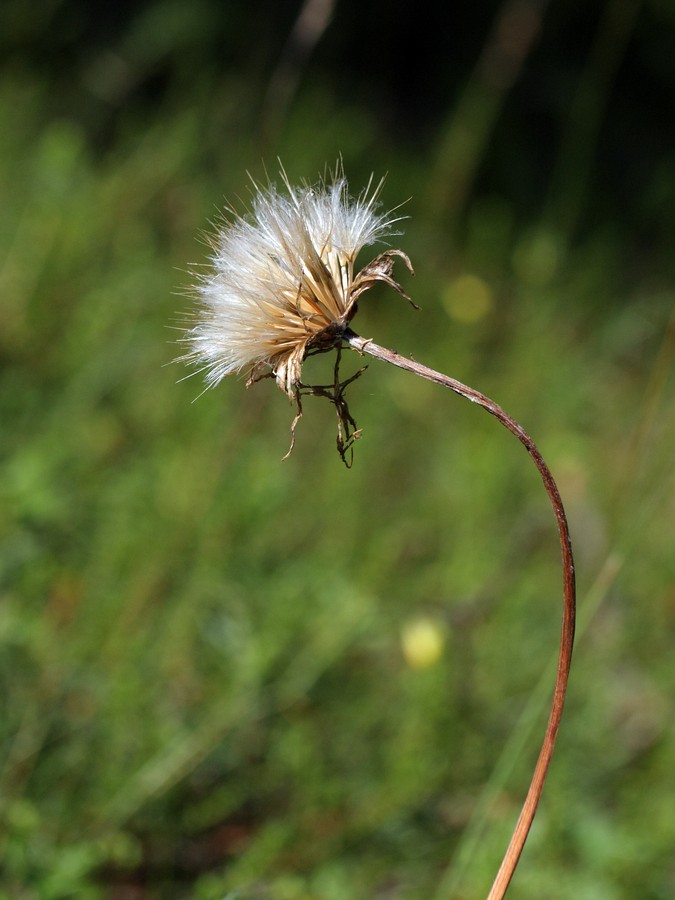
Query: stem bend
x=522 y=827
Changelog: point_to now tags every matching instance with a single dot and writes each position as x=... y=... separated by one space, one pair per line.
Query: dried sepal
x=380 y=269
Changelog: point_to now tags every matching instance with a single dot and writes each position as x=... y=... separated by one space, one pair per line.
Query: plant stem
x=521 y=830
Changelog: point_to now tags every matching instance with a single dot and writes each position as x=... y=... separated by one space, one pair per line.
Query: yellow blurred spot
x=422 y=642
x=468 y=298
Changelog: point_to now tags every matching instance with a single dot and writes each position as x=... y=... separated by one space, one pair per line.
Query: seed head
x=282 y=279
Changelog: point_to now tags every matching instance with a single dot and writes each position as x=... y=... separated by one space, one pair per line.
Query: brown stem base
x=522 y=827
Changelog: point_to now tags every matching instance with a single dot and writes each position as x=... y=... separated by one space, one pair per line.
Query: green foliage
x=205 y=686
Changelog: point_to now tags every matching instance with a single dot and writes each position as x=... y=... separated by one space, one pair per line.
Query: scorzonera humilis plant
x=283 y=286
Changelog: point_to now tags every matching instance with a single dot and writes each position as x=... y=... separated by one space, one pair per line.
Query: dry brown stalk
x=522 y=827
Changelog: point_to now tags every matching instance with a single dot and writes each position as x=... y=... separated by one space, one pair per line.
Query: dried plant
x=283 y=287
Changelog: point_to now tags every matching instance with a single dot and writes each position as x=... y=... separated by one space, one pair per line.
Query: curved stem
x=521 y=830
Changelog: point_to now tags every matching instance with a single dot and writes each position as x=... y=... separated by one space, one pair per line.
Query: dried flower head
x=283 y=280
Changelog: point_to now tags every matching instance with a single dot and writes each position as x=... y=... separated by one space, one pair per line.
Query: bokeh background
x=228 y=676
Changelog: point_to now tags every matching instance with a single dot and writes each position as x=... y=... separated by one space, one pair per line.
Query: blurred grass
x=206 y=681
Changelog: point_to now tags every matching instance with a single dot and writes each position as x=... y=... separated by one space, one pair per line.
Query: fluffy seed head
x=282 y=279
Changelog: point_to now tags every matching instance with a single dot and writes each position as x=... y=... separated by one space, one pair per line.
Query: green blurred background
x=228 y=676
